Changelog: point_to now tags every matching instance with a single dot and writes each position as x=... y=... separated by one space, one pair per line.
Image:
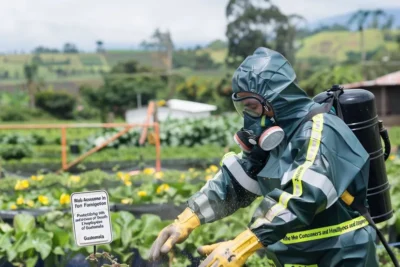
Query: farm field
x=70 y=70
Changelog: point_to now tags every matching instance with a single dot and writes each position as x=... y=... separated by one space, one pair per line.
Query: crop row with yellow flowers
x=50 y=237
x=146 y=186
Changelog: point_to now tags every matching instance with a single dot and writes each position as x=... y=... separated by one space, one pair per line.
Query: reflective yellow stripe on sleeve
x=312 y=151
x=325 y=232
x=229 y=154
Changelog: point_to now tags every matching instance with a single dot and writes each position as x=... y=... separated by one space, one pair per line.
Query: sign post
x=91 y=218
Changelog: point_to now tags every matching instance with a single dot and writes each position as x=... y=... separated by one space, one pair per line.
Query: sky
x=25 y=24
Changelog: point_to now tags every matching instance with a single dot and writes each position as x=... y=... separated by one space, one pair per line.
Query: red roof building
x=387 y=96
x=391 y=79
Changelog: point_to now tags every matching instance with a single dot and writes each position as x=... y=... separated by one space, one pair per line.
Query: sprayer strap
x=322 y=109
x=325 y=108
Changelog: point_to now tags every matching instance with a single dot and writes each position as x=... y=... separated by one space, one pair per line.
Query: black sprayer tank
x=359 y=113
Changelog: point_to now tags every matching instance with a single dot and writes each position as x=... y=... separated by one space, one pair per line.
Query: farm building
x=387 y=96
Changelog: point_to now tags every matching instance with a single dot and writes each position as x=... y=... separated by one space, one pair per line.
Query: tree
x=360 y=18
x=70 y=48
x=129 y=67
x=145 y=45
x=30 y=72
x=43 y=50
x=203 y=61
x=59 y=104
x=286 y=36
x=324 y=78
x=389 y=23
x=193 y=60
x=398 y=41
x=128 y=85
x=100 y=48
x=163 y=44
x=252 y=24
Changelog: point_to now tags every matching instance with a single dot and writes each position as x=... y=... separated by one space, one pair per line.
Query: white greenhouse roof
x=174 y=109
x=189 y=106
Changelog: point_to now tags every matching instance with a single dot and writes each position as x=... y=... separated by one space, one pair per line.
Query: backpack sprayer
x=356 y=107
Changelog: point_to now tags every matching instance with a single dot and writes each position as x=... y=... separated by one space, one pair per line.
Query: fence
x=65 y=165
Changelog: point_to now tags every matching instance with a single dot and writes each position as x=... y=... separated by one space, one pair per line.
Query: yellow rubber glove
x=233 y=253
x=174 y=233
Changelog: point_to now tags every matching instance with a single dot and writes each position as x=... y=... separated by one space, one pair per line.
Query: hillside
x=70 y=70
x=83 y=66
x=337 y=45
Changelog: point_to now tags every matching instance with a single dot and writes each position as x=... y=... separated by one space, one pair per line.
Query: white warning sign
x=91 y=218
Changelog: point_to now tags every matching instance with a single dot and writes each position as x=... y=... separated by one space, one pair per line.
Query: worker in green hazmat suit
x=307 y=180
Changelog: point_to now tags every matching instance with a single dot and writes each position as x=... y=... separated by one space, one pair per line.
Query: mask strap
x=263 y=121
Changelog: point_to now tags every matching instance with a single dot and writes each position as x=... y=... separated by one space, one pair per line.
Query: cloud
x=122 y=21
x=26 y=24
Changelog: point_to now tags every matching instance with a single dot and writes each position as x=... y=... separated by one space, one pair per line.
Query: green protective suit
x=302 y=219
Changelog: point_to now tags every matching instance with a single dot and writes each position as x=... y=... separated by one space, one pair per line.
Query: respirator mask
x=259 y=129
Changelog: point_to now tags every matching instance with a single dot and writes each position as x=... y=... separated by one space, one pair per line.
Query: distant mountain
x=344 y=18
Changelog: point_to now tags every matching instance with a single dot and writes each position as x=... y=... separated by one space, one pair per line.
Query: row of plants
x=50 y=104
x=173 y=133
x=48 y=157
x=186 y=132
x=146 y=186
x=49 y=237
x=217 y=130
x=53 y=190
x=42 y=137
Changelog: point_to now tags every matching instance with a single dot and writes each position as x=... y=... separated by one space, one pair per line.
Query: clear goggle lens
x=249 y=104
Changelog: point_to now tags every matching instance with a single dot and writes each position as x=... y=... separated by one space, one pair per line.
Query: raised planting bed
x=26 y=168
